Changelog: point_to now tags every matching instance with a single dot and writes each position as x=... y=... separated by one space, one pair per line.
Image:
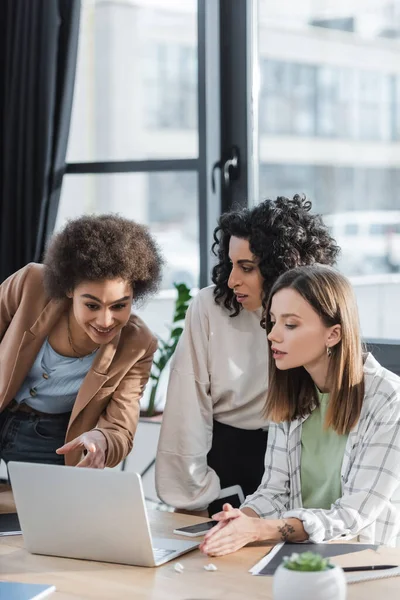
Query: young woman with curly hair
x=332 y=468
x=74 y=360
x=213 y=434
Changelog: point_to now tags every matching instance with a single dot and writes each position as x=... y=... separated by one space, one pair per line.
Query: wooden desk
x=79 y=579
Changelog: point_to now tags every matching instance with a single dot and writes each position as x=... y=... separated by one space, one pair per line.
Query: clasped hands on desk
x=79 y=579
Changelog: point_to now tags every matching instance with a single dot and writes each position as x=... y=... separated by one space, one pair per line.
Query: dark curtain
x=38 y=48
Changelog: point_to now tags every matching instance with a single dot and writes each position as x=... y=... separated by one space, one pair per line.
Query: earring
x=329 y=351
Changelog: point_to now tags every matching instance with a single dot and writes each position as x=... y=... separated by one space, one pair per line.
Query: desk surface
x=79 y=579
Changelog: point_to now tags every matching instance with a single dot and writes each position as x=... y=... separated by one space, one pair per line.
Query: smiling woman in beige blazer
x=74 y=361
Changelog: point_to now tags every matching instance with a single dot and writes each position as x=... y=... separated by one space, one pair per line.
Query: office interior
x=171 y=112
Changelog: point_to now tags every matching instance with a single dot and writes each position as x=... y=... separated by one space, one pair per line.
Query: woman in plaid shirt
x=333 y=456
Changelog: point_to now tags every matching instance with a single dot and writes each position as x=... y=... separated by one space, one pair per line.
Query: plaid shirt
x=370 y=503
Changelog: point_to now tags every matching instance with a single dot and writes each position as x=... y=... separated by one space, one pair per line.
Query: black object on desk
x=369 y=568
x=9 y=524
x=325 y=550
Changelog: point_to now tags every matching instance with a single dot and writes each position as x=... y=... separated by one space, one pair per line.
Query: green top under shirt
x=322 y=454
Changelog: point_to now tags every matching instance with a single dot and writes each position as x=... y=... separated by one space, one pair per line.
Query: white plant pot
x=316 y=585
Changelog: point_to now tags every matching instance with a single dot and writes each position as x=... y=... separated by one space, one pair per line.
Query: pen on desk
x=369 y=568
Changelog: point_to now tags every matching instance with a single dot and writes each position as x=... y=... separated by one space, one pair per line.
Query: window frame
x=208 y=105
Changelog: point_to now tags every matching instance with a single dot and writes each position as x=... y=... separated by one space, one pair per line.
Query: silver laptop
x=88 y=513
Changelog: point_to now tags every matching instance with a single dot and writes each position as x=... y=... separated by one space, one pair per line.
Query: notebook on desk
x=367 y=565
x=9 y=590
x=88 y=513
x=270 y=562
x=369 y=575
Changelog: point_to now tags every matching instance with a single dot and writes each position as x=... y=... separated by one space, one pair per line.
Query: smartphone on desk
x=232 y=494
x=196 y=530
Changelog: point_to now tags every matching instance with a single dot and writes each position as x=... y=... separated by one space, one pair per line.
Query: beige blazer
x=109 y=396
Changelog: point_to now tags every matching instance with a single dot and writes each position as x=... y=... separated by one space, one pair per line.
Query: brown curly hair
x=97 y=247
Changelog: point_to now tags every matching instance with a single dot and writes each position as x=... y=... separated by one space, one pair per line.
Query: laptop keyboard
x=160 y=553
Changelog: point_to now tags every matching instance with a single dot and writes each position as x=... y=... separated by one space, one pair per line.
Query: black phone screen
x=199 y=527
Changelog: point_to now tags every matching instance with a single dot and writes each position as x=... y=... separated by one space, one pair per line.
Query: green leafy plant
x=167 y=347
x=306 y=561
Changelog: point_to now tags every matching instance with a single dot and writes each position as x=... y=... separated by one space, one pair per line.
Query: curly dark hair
x=96 y=247
x=282 y=234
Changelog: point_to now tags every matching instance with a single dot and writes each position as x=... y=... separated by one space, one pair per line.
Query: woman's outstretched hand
x=95 y=444
x=234 y=530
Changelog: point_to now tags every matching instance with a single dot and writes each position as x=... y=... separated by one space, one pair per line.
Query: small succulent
x=306 y=561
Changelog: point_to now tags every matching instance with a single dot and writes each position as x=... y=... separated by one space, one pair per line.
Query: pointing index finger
x=68 y=447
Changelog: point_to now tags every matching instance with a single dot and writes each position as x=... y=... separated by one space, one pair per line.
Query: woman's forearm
x=278 y=530
x=283 y=530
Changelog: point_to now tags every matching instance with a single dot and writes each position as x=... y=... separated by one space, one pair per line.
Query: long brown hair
x=292 y=394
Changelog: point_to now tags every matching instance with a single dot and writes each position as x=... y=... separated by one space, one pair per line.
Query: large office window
x=329 y=123
x=136 y=83
x=135 y=100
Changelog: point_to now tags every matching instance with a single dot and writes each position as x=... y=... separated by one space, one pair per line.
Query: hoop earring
x=329 y=351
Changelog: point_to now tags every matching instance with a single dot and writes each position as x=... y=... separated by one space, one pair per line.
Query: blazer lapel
x=48 y=318
x=31 y=343
x=96 y=376
x=35 y=336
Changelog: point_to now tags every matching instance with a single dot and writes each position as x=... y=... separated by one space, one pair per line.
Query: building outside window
x=329 y=127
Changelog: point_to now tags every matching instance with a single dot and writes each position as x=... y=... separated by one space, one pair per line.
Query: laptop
x=88 y=513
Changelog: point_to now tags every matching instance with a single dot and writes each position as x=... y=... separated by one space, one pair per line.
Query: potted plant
x=167 y=347
x=308 y=576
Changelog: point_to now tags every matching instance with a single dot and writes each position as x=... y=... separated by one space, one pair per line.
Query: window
x=375 y=106
x=167 y=202
x=171 y=87
x=326 y=101
x=287 y=98
x=329 y=126
x=136 y=82
x=335 y=102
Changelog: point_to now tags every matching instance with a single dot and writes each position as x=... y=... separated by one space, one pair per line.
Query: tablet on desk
x=9 y=524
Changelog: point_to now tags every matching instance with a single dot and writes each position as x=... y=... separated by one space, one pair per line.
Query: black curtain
x=38 y=48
